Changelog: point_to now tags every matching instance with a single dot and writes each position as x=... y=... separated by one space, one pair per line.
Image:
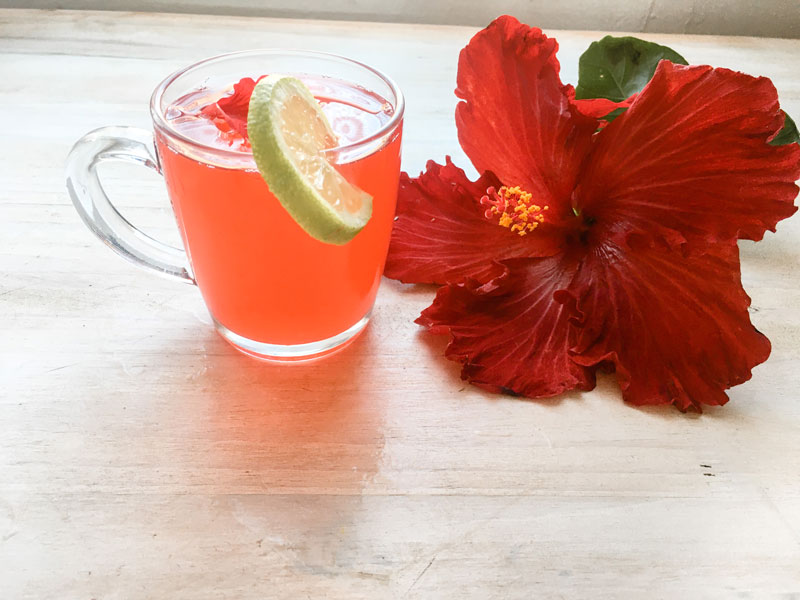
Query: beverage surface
x=353 y=112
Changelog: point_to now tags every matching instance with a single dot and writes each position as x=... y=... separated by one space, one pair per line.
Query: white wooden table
x=141 y=457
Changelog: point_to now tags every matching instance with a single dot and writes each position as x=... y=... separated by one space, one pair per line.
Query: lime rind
x=297 y=180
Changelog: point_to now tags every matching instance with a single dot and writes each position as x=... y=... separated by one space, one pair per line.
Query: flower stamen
x=513 y=208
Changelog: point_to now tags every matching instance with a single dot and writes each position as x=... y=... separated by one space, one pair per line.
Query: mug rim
x=161 y=123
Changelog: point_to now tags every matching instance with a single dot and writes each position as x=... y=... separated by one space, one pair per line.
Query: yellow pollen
x=514 y=210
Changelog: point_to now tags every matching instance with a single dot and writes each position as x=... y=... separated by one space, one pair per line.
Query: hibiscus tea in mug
x=306 y=290
x=285 y=210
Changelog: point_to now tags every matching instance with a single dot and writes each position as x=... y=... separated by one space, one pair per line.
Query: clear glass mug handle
x=125 y=144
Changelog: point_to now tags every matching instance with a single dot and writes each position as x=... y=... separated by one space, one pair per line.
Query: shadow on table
x=283 y=452
x=296 y=428
x=295 y=445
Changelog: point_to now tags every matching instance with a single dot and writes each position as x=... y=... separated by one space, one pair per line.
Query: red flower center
x=513 y=209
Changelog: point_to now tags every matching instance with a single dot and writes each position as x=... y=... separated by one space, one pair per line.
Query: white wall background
x=772 y=18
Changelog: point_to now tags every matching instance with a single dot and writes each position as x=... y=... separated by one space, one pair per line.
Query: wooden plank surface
x=141 y=457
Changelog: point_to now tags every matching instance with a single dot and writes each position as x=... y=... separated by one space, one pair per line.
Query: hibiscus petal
x=233 y=109
x=596 y=107
x=516 y=119
x=689 y=161
x=441 y=235
x=510 y=334
x=675 y=326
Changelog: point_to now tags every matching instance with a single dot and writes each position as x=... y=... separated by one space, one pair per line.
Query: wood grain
x=141 y=457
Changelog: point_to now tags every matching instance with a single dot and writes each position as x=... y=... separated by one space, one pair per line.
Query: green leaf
x=614 y=114
x=788 y=133
x=616 y=67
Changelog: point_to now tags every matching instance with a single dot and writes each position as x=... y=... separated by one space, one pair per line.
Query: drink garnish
x=229 y=113
x=289 y=133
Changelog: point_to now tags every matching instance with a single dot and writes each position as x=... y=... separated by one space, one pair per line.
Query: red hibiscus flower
x=578 y=249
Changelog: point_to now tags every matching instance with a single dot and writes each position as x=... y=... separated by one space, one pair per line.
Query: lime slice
x=288 y=132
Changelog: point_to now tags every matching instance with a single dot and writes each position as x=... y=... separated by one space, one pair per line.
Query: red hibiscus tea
x=273 y=290
x=261 y=274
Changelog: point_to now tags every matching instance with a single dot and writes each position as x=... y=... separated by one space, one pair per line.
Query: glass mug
x=272 y=290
